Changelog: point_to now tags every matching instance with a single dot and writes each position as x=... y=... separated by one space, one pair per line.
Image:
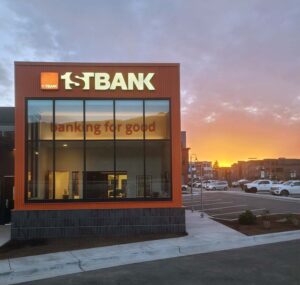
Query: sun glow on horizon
x=225 y=163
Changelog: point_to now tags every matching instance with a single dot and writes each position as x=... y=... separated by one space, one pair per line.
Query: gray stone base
x=100 y=222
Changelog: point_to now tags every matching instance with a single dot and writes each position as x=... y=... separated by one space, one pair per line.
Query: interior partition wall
x=97 y=150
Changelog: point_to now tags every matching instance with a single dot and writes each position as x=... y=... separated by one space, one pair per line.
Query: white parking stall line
x=190 y=201
x=239 y=212
x=199 y=197
x=237 y=206
x=264 y=196
x=204 y=202
x=209 y=204
x=199 y=204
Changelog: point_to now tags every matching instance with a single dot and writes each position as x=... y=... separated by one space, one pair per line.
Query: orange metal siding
x=27 y=85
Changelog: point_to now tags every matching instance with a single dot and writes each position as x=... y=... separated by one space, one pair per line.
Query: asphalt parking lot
x=230 y=204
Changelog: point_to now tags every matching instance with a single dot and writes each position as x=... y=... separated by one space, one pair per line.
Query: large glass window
x=68 y=175
x=100 y=150
x=99 y=169
x=69 y=120
x=158 y=168
x=40 y=120
x=129 y=169
x=129 y=119
x=99 y=119
x=157 y=119
x=39 y=170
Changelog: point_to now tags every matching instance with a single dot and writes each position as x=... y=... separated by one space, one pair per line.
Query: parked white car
x=262 y=185
x=287 y=188
x=197 y=185
x=219 y=185
x=240 y=183
x=208 y=182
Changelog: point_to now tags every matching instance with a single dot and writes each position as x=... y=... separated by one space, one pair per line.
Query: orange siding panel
x=27 y=85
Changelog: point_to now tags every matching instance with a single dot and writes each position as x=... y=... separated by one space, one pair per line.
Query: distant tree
x=216 y=165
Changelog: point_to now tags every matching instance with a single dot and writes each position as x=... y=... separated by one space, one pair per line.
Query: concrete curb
x=31 y=268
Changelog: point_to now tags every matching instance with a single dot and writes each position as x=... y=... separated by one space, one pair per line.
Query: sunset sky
x=240 y=61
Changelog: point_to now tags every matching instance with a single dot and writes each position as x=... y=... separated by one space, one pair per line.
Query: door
x=267 y=186
x=96 y=185
x=62 y=189
x=264 y=186
x=6 y=199
x=295 y=188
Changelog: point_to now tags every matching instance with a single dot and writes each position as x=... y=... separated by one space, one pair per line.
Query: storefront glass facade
x=97 y=149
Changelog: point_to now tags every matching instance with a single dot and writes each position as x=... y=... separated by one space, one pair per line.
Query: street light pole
x=202 y=214
x=192 y=184
x=192 y=179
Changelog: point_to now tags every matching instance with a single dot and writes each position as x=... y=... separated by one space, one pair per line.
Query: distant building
x=278 y=169
x=7 y=128
x=222 y=173
x=203 y=169
x=184 y=159
x=238 y=170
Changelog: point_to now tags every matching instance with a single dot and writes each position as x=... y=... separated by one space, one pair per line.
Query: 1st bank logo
x=49 y=80
x=100 y=80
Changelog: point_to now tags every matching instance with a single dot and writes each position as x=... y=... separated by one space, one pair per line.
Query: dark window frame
x=170 y=198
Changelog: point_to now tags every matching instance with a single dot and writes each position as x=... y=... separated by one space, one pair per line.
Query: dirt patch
x=277 y=223
x=15 y=249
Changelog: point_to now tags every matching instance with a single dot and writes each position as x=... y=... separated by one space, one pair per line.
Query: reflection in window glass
x=126 y=168
x=69 y=119
x=99 y=170
x=99 y=119
x=158 y=167
x=69 y=170
x=40 y=119
x=129 y=119
x=129 y=169
x=157 y=119
x=40 y=168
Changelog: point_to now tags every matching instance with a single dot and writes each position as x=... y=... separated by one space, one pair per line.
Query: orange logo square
x=49 y=80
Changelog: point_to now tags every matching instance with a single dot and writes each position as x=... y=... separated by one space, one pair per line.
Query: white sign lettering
x=103 y=81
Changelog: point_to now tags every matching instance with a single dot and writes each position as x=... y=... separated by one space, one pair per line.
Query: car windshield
x=287 y=183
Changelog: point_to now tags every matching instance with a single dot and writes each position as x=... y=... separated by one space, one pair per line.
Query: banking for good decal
x=155 y=127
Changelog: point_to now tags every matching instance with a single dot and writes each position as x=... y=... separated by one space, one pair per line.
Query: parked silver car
x=219 y=185
x=206 y=183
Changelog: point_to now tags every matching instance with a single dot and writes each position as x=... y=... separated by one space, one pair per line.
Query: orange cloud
x=235 y=135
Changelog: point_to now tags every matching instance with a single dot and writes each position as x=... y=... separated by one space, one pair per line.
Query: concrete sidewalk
x=4 y=234
x=204 y=235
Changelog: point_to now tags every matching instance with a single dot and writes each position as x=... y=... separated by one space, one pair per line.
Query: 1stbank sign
x=101 y=81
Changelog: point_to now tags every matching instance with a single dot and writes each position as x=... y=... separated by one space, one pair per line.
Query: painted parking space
x=230 y=204
x=234 y=215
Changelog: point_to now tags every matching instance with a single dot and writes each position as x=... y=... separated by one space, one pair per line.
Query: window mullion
x=144 y=148
x=84 y=153
x=115 y=159
x=54 y=148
